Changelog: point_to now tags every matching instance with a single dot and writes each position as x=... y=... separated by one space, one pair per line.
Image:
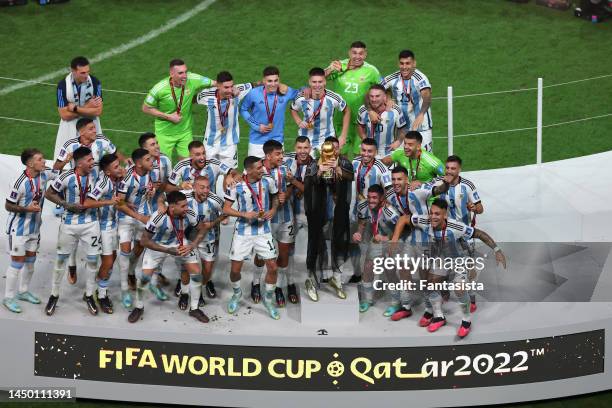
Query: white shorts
x=70 y=235
x=300 y=221
x=109 y=241
x=256 y=150
x=154 y=259
x=130 y=230
x=227 y=155
x=208 y=251
x=19 y=244
x=243 y=245
x=284 y=232
x=427 y=139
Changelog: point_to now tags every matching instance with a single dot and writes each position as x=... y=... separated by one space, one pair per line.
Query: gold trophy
x=328 y=153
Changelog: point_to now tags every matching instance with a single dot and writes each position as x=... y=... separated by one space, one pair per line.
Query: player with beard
x=444 y=234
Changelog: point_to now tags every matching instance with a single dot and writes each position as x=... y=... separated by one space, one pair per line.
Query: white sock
x=464 y=302
x=141 y=283
x=26 y=274
x=338 y=277
x=257 y=274
x=58 y=275
x=91 y=270
x=282 y=273
x=72 y=258
x=154 y=279
x=270 y=287
x=436 y=303
x=12 y=273
x=195 y=285
x=368 y=291
x=185 y=287
x=290 y=269
x=124 y=265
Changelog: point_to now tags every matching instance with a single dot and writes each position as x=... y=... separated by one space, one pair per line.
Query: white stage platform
x=557 y=202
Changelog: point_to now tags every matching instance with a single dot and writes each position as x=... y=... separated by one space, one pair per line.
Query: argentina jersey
x=184 y=171
x=384 y=131
x=381 y=220
x=367 y=175
x=164 y=228
x=135 y=189
x=101 y=146
x=206 y=211
x=407 y=94
x=246 y=201
x=284 y=212
x=458 y=197
x=222 y=127
x=319 y=115
x=160 y=173
x=299 y=173
x=446 y=239
x=75 y=188
x=105 y=189
x=24 y=191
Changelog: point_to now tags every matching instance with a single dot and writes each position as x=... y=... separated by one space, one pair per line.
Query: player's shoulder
x=268 y=179
x=215 y=199
x=191 y=213
x=357 y=160
x=71 y=142
x=396 y=109
x=102 y=180
x=380 y=166
x=389 y=211
x=430 y=158
x=392 y=77
x=207 y=93
x=103 y=138
x=94 y=81
x=129 y=174
x=362 y=110
x=22 y=177
x=194 y=76
x=467 y=182
x=163 y=83
x=185 y=163
x=66 y=175
x=164 y=158
x=419 y=75
x=333 y=95
x=213 y=161
x=455 y=225
x=157 y=217
x=290 y=155
x=362 y=206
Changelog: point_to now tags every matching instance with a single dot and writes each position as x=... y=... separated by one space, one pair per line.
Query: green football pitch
x=476 y=46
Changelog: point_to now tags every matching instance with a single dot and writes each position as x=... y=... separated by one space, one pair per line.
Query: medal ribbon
x=82 y=192
x=316 y=113
x=406 y=90
x=179 y=232
x=179 y=104
x=413 y=173
x=359 y=179
x=375 y=222
x=222 y=114
x=405 y=209
x=257 y=197
x=270 y=115
x=35 y=190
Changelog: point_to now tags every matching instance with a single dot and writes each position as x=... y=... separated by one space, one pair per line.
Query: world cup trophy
x=328 y=153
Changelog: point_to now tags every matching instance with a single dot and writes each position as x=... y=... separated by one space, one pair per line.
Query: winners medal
x=35 y=189
x=361 y=180
x=315 y=114
x=179 y=103
x=268 y=113
x=222 y=114
x=258 y=198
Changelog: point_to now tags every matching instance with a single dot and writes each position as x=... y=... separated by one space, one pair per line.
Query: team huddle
x=122 y=211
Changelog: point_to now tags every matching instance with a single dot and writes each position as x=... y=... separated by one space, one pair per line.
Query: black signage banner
x=319 y=368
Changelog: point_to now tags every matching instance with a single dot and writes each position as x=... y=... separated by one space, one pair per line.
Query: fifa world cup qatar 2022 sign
x=319 y=368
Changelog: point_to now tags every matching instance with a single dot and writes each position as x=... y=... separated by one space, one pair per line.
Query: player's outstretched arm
x=486 y=238
x=402 y=222
x=147 y=242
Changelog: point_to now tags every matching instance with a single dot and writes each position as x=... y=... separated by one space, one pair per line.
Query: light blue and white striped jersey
x=384 y=131
x=413 y=203
x=23 y=191
x=407 y=94
x=162 y=168
x=105 y=189
x=323 y=124
x=165 y=228
x=458 y=197
x=74 y=189
x=385 y=218
x=367 y=175
x=206 y=211
x=447 y=237
x=213 y=134
x=241 y=194
x=101 y=146
x=184 y=171
x=299 y=172
x=135 y=188
x=284 y=212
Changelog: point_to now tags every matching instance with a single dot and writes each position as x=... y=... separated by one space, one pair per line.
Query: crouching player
x=164 y=235
x=444 y=235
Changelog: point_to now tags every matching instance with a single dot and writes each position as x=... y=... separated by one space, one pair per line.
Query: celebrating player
x=352 y=78
x=257 y=202
x=165 y=235
x=422 y=165
x=264 y=111
x=318 y=111
x=444 y=234
x=170 y=102
x=386 y=131
x=24 y=205
x=411 y=90
x=79 y=225
x=222 y=128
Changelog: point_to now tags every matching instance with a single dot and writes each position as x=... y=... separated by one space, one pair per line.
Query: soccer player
x=78 y=95
x=283 y=227
x=170 y=102
x=368 y=171
x=24 y=205
x=352 y=78
x=443 y=234
x=463 y=201
x=381 y=218
x=411 y=90
x=386 y=131
x=136 y=190
x=422 y=165
x=104 y=196
x=297 y=163
x=165 y=235
x=257 y=202
x=197 y=164
x=208 y=208
x=318 y=111
x=79 y=225
x=222 y=128
x=264 y=111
